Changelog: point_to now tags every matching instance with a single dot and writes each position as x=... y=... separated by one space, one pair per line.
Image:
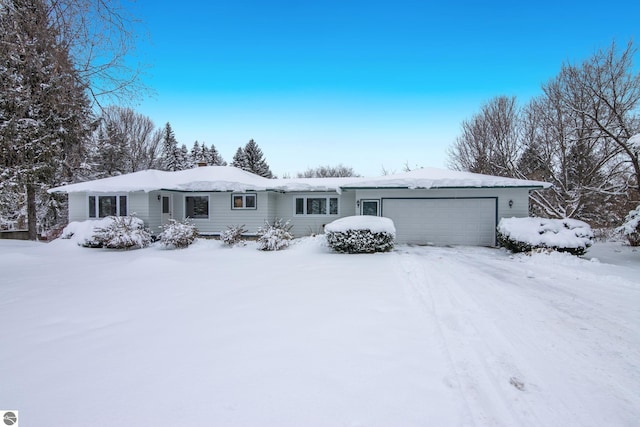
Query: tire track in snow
x=415 y=275
x=487 y=378
x=584 y=323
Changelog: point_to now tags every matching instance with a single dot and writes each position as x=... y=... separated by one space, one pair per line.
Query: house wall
x=271 y=205
x=520 y=197
x=137 y=202
x=221 y=215
x=153 y=219
x=272 y=211
x=305 y=225
x=78 y=206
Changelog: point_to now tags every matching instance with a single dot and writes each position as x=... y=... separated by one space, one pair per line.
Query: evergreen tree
x=205 y=155
x=111 y=151
x=214 y=158
x=255 y=161
x=240 y=160
x=197 y=153
x=183 y=159
x=169 y=150
x=45 y=114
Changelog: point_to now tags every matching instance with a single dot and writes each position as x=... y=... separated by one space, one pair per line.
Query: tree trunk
x=31 y=212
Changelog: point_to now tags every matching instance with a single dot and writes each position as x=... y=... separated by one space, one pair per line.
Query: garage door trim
x=494 y=198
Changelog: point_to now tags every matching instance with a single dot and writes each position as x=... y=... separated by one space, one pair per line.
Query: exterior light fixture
x=510 y=204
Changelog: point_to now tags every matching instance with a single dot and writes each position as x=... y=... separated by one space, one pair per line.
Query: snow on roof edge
x=227 y=178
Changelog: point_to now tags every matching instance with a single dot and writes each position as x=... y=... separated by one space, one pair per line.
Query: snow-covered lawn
x=421 y=336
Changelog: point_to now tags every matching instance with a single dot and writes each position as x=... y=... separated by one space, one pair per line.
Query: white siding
x=78 y=207
x=221 y=215
x=154 y=210
x=272 y=212
x=475 y=208
x=138 y=204
x=520 y=197
x=271 y=205
x=305 y=225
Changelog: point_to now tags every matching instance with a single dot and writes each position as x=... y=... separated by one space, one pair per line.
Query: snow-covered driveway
x=531 y=340
x=422 y=336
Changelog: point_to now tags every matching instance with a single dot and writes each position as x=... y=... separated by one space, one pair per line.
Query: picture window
x=316 y=206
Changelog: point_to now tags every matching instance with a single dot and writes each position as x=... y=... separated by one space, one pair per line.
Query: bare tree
x=328 y=171
x=132 y=138
x=606 y=90
x=562 y=147
x=576 y=135
x=490 y=140
x=101 y=36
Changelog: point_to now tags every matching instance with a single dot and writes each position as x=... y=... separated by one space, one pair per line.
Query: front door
x=167 y=211
x=371 y=207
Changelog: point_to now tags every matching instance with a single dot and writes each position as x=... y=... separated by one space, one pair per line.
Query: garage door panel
x=443 y=221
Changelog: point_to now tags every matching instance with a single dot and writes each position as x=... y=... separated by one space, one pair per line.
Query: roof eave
x=531 y=187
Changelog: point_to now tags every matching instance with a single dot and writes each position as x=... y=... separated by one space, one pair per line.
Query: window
x=104 y=206
x=243 y=201
x=196 y=207
x=370 y=207
x=165 y=205
x=316 y=205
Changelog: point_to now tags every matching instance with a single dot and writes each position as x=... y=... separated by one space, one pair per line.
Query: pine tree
x=255 y=161
x=111 y=151
x=240 y=160
x=169 y=150
x=197 y=154
x=205 y=155
x=214 y=158
x=45 y=114
x=184 y=159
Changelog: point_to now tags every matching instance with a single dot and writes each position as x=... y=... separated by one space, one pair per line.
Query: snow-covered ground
x=216 y=336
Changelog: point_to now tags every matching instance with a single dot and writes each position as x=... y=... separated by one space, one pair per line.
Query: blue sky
x=370 y=84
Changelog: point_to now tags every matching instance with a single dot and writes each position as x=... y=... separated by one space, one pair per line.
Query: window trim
x=376 y=201
x=305 y=205
x=184 y=200
x=96 y=204
x=244 y=201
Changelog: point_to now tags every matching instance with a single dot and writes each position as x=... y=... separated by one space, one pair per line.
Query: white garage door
x=443 y=221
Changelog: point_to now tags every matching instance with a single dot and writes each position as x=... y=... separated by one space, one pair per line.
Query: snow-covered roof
x=442 y=178
x=210 y=178
x=227 y=178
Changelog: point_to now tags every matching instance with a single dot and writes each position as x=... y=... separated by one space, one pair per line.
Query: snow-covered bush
x=178 y=235
x=361 y=234
x=276 y=236
x=631 y=227
x=233 y=235
x=562 y=235
x=84 y=232
x=123 y=232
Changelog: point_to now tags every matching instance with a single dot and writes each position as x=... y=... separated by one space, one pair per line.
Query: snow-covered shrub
x=178 y=235
x=123 y=232
x=84 y=232
x=276 y=236
x=361 y=234
x=631 y=227
x=562 y=235
x=233 y=235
